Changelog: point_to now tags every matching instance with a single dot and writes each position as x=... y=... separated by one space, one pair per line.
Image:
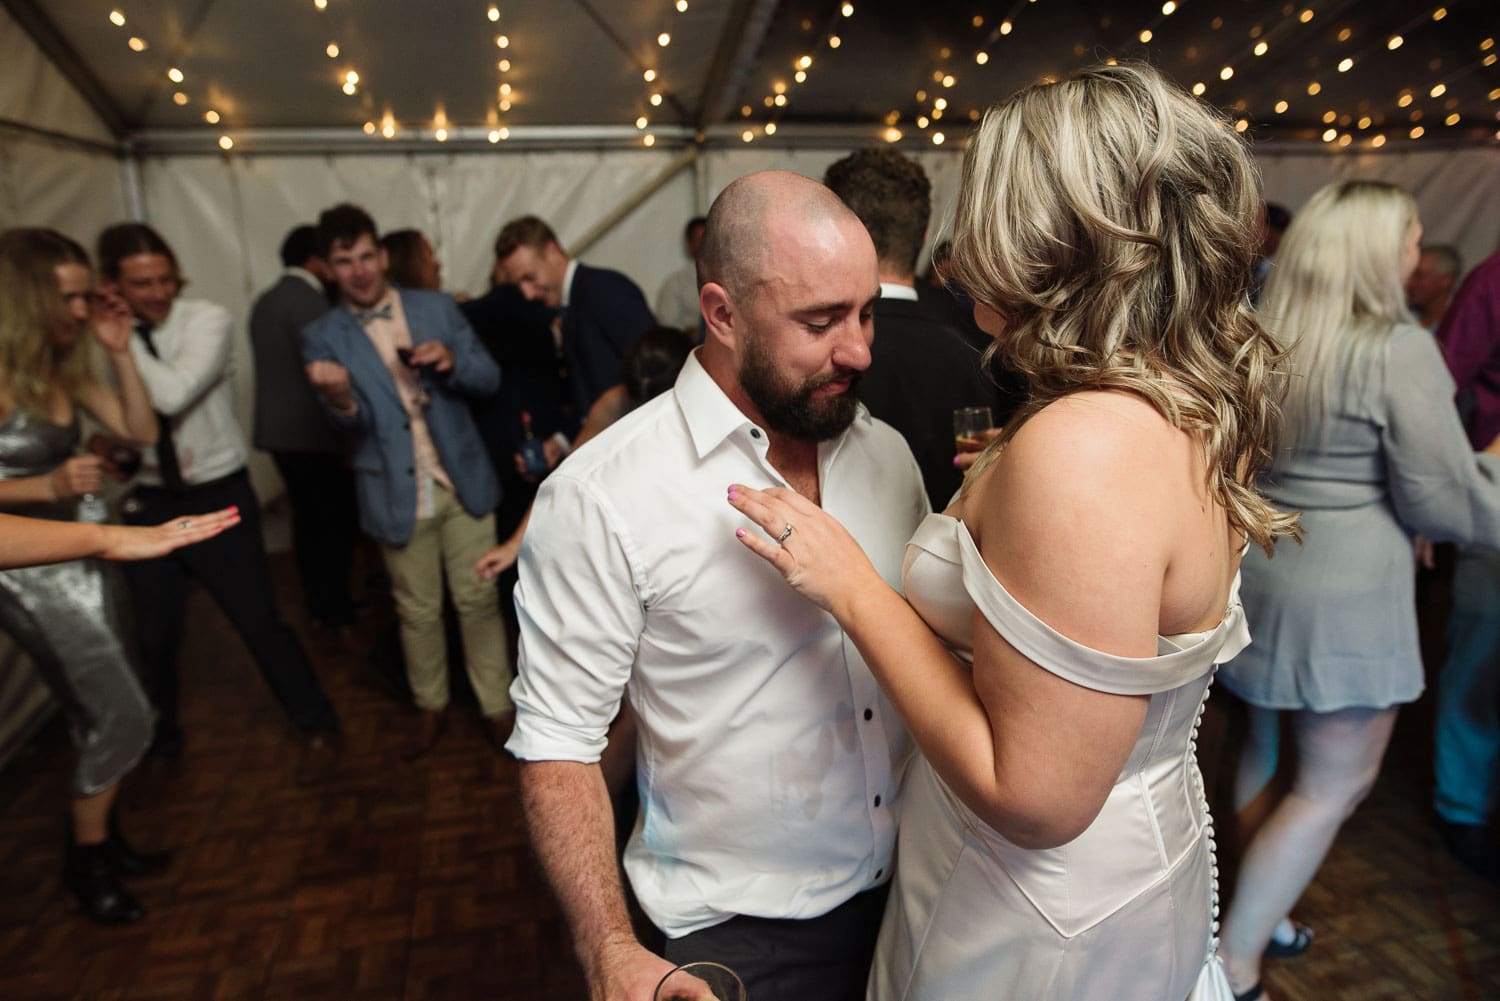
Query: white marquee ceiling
x=271 y=70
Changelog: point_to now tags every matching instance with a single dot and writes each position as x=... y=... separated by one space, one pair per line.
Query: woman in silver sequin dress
x=68 y=617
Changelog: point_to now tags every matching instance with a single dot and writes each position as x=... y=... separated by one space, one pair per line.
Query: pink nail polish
x=739 y=533
x=955 y=460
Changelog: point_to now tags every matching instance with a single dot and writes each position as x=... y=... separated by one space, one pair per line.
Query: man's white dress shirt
x=767 y=756
x=677 y=300
x=192 y=382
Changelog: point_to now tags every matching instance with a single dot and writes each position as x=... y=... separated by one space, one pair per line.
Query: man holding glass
x=767 y=757
x=395 y=368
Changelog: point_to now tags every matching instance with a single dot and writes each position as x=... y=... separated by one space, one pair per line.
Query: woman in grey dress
x=1372 y=454
x=67 y=617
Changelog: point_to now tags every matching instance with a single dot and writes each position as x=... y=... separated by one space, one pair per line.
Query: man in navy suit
x=604 y=312
x=395 y=368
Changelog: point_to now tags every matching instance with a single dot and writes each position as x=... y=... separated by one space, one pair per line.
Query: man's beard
x=793 y=410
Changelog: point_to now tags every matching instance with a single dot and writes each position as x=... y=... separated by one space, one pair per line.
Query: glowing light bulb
x=1305 y=16
x=1145 y=35
x=1199 y=88
x=388 y=130
x=502 y=41
x=1364 y=122
x=504 y=132
x=648 y=140
x=505 y=89
x=655 y=100
x=1226 y=72
x=1404 y=101
x=834 y=41
x=349 y=88
x=505 y=105
x=1242 y=125
x=770 y=128
x=847 y=10
x=503 y=66
x=1438 y=90
x=1314 y=89
x=649 y=75
x=179 y=99
x=922 y=121
x=804 y=63
x=1281 y=107
x=493 y=13
x=779 y=100
x=211 y=117
x=1329 y=117
x=1451 y=119
x=779 y=87
x=940 y=104
x=1438 y=15
x=892 y=134
x=1418 y=132
x=949 y=81
x=332 y=50
x=937 y=138
x=117 y=19
x=1344 y=34
x=441 y=135
x=800 y=76
x=1330 y=135
x=226 y=143
x=351 y=77
x=1006 y=27
x=494 y=136
x=321 y=4
x=1168 y=7
x=1395 y=42
x=137 y=43
x=682 y=6
x=747 y=135
x=641 y=122
x=369 y=128
x=664 y=39
x=1261 y=48
x=1345 y=65
x=1377 y=141
x=1345 y=139
x=981 y=57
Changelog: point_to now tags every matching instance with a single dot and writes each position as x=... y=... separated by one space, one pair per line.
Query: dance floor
x=397 y=881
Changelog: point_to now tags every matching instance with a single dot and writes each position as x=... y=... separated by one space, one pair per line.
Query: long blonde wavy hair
x=1336 y=291
x=1111 y=221
x=33 y=364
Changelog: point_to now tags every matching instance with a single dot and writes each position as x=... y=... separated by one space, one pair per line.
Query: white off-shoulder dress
x=1128 y=910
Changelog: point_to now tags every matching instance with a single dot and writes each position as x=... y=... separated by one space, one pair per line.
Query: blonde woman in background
x=1067 y=610
x=1371 y=453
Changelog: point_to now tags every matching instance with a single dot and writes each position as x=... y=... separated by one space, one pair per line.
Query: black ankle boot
x=126 y=860
x=88 y=873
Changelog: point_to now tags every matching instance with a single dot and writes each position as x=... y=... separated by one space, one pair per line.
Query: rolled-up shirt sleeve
x=581 y=608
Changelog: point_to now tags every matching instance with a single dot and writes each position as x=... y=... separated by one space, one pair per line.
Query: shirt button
x=755 y=432
x=869 y=715
x=410 y=471
x=879 y=873
x=877 y=800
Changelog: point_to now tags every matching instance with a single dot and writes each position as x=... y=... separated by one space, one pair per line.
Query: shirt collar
x=891 y=290
x=567 y=288
x=306 y=276
x=711 y=415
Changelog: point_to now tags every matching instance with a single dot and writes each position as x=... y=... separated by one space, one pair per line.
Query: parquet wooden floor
x=396 y=881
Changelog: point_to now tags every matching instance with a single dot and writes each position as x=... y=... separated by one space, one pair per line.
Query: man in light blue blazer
x=394 y=368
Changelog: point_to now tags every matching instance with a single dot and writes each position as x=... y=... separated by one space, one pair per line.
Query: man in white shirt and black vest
x=183 y=350
x=768 y=759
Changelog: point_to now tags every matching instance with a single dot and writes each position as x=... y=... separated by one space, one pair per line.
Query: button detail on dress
x=877 y=800
x=869 y=715
x=755 y=432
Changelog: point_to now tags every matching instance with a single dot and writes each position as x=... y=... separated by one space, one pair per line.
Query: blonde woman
x=1372 y=453
x=1067 y=610
x=67 y=617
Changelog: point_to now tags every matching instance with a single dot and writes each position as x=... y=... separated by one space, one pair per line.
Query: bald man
x=767 y=758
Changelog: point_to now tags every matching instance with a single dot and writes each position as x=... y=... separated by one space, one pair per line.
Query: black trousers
x=232 y=566
x=325 y=521
x=825 y=958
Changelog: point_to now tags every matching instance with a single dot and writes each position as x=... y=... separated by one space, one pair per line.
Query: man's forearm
x=572 y=831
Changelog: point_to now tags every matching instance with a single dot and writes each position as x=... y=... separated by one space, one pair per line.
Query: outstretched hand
x=818 y=557
x=131 y=542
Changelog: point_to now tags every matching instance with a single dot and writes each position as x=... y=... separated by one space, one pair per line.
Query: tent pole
x=636 y=199
x=744 y=30
x=132 y=183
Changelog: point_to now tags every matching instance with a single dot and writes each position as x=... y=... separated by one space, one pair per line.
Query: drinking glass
x=420 y=395
x=700 y=982
x=969 y=425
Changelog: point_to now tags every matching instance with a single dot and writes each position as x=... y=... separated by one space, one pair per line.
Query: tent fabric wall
x=33 y=92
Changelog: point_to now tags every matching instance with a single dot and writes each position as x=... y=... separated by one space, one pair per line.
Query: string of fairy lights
x=1412 y=112
x=656 y=90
